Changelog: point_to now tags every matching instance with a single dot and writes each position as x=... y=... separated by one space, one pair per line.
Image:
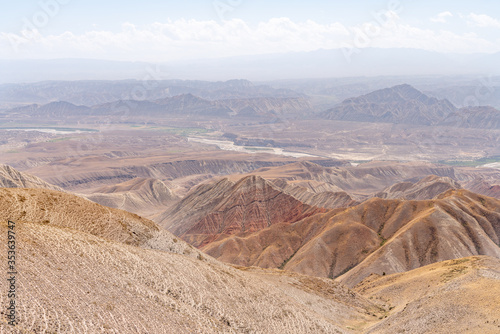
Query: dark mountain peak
x=61 y=106
x=397 y=104
x=186 y=99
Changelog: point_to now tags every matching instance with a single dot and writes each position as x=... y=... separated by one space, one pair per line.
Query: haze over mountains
x=265 y=196
x=348 y=62
x=241 y=167
x=400 y=104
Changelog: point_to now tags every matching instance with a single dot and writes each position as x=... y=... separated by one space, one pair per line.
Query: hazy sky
x=169 y=30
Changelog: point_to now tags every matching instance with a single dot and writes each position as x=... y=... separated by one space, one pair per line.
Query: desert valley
x=235 y=207
x=250 y=167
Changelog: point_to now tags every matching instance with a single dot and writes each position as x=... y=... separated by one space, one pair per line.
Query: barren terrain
x=234 y=207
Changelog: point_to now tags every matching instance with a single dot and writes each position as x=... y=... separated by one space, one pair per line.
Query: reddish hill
x=376 y=236
x=213 y=212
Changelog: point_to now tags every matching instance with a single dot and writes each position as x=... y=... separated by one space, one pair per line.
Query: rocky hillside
x=144 y=196
x=81 y=173
x=116 y=272
x=87 y=268
x=482 y=186
x=482 y=117
x=68 y=211
x=214 y=211
x=453 y=296
x=12 y=178
x=375 y=236
x=315 y=193
x=398 y=104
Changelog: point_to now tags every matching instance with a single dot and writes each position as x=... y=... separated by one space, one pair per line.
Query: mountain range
x=405 y=104
x=406 y=258
x=391 y=258
x=401 y=104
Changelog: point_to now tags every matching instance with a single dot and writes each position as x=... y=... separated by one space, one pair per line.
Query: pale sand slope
x=88 y=270
x=456 y=296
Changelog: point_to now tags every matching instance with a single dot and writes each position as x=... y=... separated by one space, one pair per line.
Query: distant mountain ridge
x=403 y=104
x=398 y=104
x=95 y=92
x=183 y=104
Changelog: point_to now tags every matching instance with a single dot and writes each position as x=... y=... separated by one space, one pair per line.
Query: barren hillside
x=144 y=196
x=12 y=178
x=214 y=211
x=374 y=237
x=456 y=296
x=427 y=188
x=81 y=270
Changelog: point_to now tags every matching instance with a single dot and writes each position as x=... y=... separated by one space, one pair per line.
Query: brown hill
x=364 y=180
x=358 y=181
x=316 y=193
x=481 y=186
x=81 y=173
x=427 y=188
x=481 y=117
x=398 y=104
x=12 y=178
x=63 y=210
x=87 y=268
x=374 y=237
x=143 y=196
x=458 y=224
x=225 y=208
x=456 y=296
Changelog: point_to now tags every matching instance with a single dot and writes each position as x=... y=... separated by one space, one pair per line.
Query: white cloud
x=482 y=21
x=441 y=17
x=191 y=39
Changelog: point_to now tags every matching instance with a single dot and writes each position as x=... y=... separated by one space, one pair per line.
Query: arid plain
x=237 y=207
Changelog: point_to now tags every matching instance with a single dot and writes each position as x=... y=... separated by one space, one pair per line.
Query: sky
x=169 y=30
